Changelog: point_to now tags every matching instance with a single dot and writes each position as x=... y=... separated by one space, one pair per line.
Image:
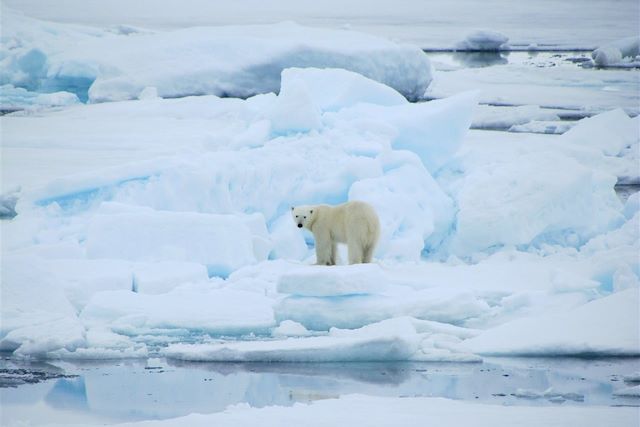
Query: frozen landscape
x=152 y=273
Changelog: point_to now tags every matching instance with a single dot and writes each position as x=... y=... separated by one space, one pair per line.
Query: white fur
x=354 y=223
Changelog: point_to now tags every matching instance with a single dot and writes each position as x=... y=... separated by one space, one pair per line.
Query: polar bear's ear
x=292 y=208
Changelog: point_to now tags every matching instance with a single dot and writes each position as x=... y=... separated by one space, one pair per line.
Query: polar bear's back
x=356 y=219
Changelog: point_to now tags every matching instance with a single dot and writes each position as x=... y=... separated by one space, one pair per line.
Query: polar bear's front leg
x=325 y=252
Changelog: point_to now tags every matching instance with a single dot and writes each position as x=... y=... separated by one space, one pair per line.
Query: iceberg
x=237 y=61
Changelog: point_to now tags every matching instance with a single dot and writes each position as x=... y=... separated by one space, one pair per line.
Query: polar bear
x=354 y=223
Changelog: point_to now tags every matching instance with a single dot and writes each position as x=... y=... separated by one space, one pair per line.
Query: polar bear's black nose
x=299 y=225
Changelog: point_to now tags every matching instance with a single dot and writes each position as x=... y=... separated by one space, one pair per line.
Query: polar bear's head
x=302 y=216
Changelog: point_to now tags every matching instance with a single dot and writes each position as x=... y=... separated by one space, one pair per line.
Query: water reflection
x=157 y=389
x=393 y=373
x=480 y=59
x=68 y=394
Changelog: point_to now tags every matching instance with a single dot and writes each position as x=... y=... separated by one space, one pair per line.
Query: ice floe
x=238 y=61
x=389 y=340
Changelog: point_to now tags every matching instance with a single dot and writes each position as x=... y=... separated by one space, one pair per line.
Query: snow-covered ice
x=222 y=243
x=220 y=311
x=342 y=280
x=389 y=340
x=593 y=328
x=245 y=60
x=188 y=243
x=36 y=315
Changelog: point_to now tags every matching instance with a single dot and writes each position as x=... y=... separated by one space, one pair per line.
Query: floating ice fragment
x=613 y=53
x=483 y=40
x=391 y=340
x=549 y=394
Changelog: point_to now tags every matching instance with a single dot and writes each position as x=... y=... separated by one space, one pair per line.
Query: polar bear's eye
x=304 y=217
x=297 y=216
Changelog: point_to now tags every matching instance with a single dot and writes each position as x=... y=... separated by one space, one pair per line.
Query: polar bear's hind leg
x=368 y=253
x=356 y=255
